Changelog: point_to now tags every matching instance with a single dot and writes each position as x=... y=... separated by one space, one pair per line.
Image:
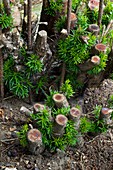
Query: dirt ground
x=95 y=154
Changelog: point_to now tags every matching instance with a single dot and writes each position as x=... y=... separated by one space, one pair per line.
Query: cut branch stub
x=84 y=38
x=59 y=125
x=75 y=114
x=94 y=28
x=93 y=4
x=95 y=59
x=35 y=141
x=106 y=112
x=38 y=107
x=89 y=64
x=60 y=100
x=99 y=48
x=105 y=115
x=73 y=20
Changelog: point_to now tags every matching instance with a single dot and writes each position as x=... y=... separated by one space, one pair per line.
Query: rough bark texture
x=29 y=24
x=59 y=125
x=46 y=18
x=41 y=43
x=109 y=64
x=101 y=3
x=75 y=116
x=89 y=64
x=24 y=24
x=35 y=141
x=69 y=7
x=43 y=51
x=7 y=6
x=50 y=19
x=1 y=69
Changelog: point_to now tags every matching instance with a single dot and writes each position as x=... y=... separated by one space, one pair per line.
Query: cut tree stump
x=41 y=43
x=98 y=48
x=94 y=28
x=60 y=100
x=73 y=20
x=59 y=125
x=35 y=141
x=105 y=115
x=89 y=64
x=74 y=115
x=93 y=4
x=37 y=107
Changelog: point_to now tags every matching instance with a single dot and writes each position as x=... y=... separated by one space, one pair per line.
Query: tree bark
x=98 y=48
x=60 y=100
x=59 y=125
x=35 y=141
x=37 y=107
x=1 y=69
x=94 y=28
x=105 y=115
x=101 y=3
x=41 y=44
x=50 y=19
x=7 y=6
x=109 y=64
x=29 y=24
x=75 y=116
x=89 y=64
x=69 y=7
x=24 y=24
